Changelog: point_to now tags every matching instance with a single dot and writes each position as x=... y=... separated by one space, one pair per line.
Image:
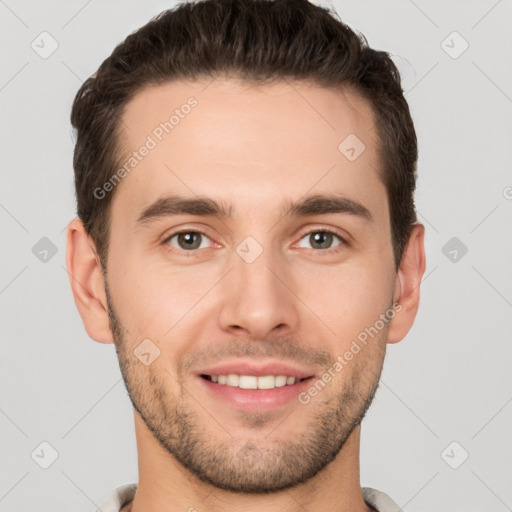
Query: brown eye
x=188 y=240
x=320 y=240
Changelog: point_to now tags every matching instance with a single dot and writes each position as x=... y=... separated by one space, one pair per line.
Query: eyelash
x=323 y=230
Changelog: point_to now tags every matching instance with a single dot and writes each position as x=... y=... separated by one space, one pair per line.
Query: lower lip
x=256 y=399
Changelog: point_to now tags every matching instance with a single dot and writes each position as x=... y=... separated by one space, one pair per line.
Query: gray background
x=448 y=381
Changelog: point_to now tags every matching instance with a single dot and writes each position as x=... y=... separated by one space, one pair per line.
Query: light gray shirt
x=378 y=500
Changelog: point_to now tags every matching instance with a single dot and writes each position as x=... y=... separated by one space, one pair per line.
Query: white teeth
x=248 y=382
x=253 y=382
x=233 y=380
x=281 y=381
x=267 y=382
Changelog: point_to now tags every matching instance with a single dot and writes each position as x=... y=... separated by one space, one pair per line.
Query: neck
x=165 y=486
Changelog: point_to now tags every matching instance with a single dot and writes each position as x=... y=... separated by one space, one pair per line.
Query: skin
x=253 y=148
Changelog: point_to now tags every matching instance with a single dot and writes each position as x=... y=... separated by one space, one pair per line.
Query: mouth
x=255 y=387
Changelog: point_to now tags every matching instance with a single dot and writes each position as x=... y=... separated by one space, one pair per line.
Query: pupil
x=322 y=239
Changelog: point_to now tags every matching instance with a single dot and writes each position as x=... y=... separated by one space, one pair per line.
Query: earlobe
x=86 y=279
x=407 y=285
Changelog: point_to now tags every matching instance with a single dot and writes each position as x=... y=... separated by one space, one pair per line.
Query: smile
x=252 y=381
x=255 y=385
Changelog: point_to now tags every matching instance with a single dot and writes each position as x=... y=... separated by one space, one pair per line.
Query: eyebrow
x=178 y=205
x=323 y=204
x=319 y=204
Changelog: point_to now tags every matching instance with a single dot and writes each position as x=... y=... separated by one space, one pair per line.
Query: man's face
x=264 y=292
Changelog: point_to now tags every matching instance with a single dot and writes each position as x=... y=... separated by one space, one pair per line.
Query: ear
x=86 y=279
x=407 y=285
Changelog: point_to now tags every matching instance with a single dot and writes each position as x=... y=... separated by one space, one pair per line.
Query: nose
x=258 y=298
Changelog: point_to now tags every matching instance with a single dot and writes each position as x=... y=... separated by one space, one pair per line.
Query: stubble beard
x=260 y=464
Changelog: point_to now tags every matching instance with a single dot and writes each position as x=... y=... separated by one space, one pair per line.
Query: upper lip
x=256 y=368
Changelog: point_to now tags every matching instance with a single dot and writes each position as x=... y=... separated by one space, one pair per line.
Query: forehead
x=232 y=139
x=230 y=104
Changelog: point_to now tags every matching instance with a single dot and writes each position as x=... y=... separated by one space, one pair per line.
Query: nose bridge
x=256 y=300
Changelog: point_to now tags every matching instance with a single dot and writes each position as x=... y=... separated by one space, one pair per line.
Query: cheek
x=347 y=298
x=157 y=302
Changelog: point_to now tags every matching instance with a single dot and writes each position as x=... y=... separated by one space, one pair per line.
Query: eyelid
x=176 y=230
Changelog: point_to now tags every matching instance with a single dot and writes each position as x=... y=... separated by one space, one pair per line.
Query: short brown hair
x=258 y=41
